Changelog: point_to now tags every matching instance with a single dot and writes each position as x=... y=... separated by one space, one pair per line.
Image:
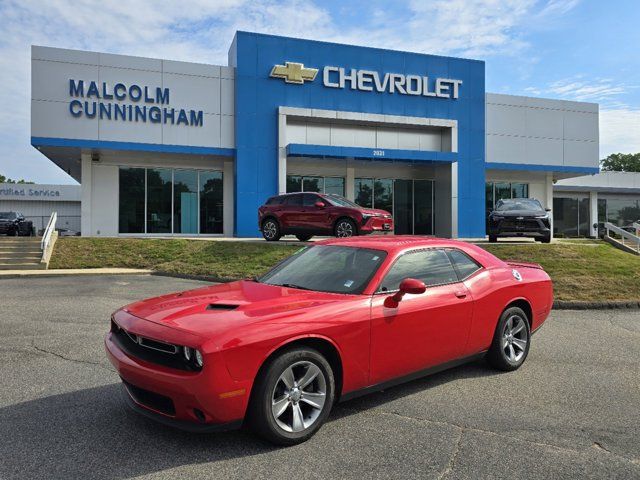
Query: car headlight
x=187 y=352
x=497 y=218
x=199 y=360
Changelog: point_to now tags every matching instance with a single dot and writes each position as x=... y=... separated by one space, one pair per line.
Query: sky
x=584 y=50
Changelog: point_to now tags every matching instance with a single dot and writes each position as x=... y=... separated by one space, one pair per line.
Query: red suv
x=307 y=214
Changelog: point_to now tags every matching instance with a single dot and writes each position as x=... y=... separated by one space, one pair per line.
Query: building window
x=363 y=192
x=159 y=197
x=185 y=201
x=623 y=211
x=298 y=183
x=571 y=217
x=410 y=202
x=131 y=200
x=167 y=201
x=334 y=185
x=211 y=202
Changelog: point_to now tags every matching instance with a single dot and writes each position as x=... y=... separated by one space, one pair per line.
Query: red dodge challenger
x=335 y=320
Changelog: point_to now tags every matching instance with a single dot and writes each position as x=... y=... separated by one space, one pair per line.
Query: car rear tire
x=511 y=340
x=345 y=227
x=304 y=238
x=493 y=239
x=293 y=397
x=546 y=239
x=271 y=230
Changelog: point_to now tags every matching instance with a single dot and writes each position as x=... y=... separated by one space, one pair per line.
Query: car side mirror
x=319 y=204
x=408 y=285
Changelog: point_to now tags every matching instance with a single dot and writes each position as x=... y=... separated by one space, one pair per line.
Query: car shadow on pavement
x=91 y=434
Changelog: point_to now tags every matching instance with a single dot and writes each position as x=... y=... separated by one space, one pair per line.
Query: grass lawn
x=581 y=270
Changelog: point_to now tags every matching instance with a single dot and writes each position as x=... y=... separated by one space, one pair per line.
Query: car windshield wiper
x=293 y=285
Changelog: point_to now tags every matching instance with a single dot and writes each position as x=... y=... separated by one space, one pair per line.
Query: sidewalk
x=73 y=271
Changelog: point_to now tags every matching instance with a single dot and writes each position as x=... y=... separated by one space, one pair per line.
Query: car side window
x=433 y=267
x=309 y=199
x=293 y=200
x=464 y=264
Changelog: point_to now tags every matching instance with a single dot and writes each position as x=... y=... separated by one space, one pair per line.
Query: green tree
x=622 y=162
x=4 y=179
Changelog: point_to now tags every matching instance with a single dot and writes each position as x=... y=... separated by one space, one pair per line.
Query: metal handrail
x=46 y=236
x=635 y=239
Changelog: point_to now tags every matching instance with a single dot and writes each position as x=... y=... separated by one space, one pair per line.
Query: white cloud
x=619 y=131
x=201 y=31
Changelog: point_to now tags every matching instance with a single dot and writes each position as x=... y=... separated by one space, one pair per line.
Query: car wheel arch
x=524 y=305
x=345 y=217
x=322 y=344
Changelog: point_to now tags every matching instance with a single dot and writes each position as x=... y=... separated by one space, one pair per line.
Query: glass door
x=423 y=207
x=403 y=206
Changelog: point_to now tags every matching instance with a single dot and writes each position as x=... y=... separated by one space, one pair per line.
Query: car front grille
x=149 y=350
x=524 y=224
x=152 y=400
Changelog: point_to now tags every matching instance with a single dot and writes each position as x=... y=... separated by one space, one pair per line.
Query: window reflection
x=131 y=200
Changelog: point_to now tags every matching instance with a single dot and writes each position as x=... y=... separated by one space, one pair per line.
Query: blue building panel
x=258 y=97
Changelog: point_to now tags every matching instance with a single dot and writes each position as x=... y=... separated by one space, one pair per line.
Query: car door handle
x=461 y=294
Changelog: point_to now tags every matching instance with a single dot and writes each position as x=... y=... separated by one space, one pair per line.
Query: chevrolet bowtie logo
x=294 y=72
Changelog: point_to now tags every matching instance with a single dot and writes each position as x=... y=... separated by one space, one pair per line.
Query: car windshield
x=327 y=268
x=518 y=204
x=339 y=201
x=7 y=215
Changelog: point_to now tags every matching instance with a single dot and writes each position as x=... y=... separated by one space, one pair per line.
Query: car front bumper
x=377 y=224
x=205 y=400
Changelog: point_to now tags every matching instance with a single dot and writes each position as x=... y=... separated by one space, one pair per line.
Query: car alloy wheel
x=298 y=397
x=514 y=338
x=511 y=340
x=344 y=229
x=270 y=230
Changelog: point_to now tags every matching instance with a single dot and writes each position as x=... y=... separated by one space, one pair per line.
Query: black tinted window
x=309 y=199
x=463 y=263
x=327 y=268
x=293 y=200
x=431 y=266
x=274 y=201
x=519 y=204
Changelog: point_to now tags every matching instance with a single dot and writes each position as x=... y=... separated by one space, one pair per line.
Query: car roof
x=394 y=244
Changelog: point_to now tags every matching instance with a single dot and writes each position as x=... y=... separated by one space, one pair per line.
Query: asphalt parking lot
x=572 y=410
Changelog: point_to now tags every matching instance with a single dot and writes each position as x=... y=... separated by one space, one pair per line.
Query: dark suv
x=13 y=223
x=307 y=214
x=520 y=217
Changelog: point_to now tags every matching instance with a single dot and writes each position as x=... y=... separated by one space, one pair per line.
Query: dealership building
x=163 y=147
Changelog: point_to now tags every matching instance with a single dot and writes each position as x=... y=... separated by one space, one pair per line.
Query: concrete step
x=20 y=248
x=20 y=240
x=20 y=259
x=22 y=266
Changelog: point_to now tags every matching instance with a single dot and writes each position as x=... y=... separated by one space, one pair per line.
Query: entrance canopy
x=329 y=151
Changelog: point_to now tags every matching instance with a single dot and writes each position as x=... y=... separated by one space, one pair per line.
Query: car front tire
x=293 y=397
x=493 y=239
x=271 y=230
x=345 y=227
x=511 y=340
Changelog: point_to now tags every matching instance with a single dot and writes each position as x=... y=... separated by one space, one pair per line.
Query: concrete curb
x=604 y=305
x=8 y=274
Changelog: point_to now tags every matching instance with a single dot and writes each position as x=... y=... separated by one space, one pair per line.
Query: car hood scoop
x=222 y=306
